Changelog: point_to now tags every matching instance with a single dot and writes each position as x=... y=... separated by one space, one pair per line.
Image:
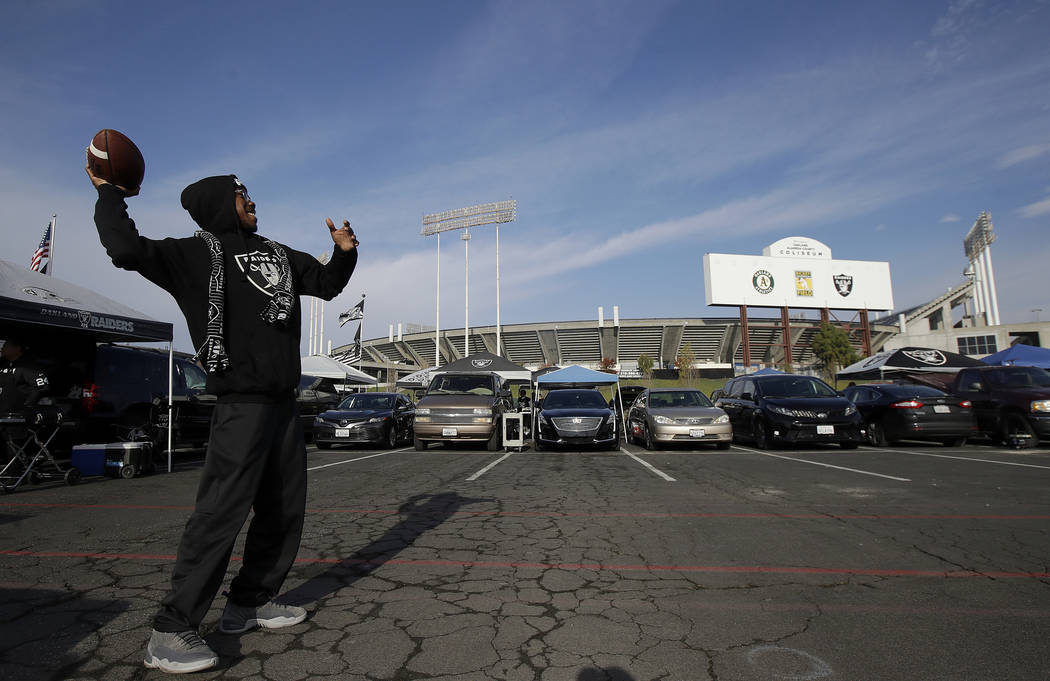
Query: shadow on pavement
x=610 y=674
x=419 y=514
x=45 y=631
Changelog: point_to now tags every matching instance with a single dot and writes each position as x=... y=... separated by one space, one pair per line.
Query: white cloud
x=1035 y=209
x=950 y=217
x=1023 y=154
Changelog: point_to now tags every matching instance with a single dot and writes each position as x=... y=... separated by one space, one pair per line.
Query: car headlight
x=542 y=419
x=724 y=418
x=482 y=411
x=850 y=410
x=422 y=411
x=1040 y=405
x=377 y=419
x=781 y=410
x=318 y=421
x=662 y=420
x=421 y=419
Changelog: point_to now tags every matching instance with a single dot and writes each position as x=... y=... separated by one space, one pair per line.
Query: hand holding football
x=115 y=158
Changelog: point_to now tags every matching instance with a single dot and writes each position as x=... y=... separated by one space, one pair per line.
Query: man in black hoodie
x=240 y=295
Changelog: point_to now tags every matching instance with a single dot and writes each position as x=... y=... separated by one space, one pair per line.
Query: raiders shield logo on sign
x=262 y=270
x=843 y=284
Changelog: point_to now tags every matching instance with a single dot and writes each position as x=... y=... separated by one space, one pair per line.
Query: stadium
x=965 y=319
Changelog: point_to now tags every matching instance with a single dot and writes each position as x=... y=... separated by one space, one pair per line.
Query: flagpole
x=51 y=257
x=361 y=349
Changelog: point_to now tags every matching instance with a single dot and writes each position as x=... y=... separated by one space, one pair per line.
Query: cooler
x=126 y=459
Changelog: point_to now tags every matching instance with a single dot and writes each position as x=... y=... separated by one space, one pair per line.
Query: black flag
x=356 y=312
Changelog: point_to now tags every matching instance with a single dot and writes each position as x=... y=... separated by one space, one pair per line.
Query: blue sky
x=635 y=137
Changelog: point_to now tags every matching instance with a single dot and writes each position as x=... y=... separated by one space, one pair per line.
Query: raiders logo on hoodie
x=262 y=269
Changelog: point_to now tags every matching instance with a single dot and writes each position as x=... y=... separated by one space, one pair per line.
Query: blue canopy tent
x=1020 y=355
x=767 y=371
x=575 y=376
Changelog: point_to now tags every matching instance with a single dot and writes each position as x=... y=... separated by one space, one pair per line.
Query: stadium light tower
x=978 y=247
x=465 y=218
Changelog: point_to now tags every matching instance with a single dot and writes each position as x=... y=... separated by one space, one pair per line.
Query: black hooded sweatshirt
x=264 y=357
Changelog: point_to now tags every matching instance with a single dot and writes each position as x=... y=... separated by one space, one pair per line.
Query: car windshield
x=571 y=399
x=449 y=384
x=1020 y=377
x=795 y=386
x=914 y=391
x=678 y=399
x=366 y=401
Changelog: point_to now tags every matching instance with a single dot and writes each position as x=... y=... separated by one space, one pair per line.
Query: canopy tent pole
x=171 y=380
x=619 y=398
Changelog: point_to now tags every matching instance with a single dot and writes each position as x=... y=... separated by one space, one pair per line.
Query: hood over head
x=211 y=203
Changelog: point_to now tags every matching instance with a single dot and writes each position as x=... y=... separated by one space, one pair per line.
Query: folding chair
x=26 y=438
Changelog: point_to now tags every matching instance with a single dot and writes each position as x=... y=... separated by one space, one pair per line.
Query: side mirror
x=746 y=396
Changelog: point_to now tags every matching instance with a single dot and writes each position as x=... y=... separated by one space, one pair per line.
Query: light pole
x=465 y=218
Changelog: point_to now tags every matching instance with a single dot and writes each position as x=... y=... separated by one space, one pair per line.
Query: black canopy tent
x=907 y=361
x=62 y=320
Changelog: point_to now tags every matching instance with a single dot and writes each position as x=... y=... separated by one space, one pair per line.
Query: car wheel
x=615 y=446
x=762 y=440
x=323 y=445
x=537 y=445
x=723 y=445
x=420 y=445
x=494 y=444
x=876 y=435
x=848 y=445
x=1018 y=430
x=391 y=437
x=647 y=438
x=954 y=441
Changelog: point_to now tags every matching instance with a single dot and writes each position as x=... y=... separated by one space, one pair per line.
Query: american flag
x=43 y=252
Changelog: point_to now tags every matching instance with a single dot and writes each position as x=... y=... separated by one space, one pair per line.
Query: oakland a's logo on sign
x=843 y=284
x=262 y=270
x=762 y=281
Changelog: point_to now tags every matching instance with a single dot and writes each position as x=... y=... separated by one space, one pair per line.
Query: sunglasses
x=243 y=194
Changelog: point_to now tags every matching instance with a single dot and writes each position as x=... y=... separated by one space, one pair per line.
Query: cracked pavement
x=571 y=566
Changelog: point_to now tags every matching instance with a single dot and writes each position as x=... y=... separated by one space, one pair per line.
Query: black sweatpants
x=256 y=459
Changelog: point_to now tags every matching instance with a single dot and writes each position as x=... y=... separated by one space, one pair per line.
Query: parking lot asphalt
x=911 y=562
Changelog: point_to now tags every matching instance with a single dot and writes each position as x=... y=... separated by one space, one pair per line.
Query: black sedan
x=912 y=412
x=573 y=417
x=379 y=418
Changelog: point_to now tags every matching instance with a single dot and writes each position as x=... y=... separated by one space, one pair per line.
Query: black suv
x=315 y=395
x=1011 y=403
x=785 y=408
x=124 y=396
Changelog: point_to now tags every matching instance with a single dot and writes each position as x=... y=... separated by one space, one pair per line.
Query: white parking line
x=962 y=458
x=818 y=463
x=487 y=468
x=648 y=465
x=360 y=458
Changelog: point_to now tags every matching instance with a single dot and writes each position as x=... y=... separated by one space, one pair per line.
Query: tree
x=685 y=361
x=645 y=365
x=607 y=365
x=831 y=346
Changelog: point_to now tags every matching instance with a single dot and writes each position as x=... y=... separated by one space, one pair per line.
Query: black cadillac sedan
x=912 y=412
x=378 y=418
x=572 y=417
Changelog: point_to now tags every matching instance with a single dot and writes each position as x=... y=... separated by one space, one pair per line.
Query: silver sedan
x=662 y=416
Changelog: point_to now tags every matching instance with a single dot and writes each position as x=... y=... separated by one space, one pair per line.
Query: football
x=116 y=159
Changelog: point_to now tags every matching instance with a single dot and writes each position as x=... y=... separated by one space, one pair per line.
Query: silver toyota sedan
x=663 y=416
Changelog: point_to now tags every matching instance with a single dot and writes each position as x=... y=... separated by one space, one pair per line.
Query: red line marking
x=558 y=514
x=727 y=569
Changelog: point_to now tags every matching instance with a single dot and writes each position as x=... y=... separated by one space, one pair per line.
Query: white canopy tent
x=326 y=367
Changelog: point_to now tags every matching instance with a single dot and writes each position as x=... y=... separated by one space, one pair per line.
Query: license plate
x=941 y=409
x=825 y=430
x=342 y=432
x=449 y=432
x=696 y=432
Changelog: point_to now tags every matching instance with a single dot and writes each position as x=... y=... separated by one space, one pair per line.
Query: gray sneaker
x=179 y=652
x=238 y=618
